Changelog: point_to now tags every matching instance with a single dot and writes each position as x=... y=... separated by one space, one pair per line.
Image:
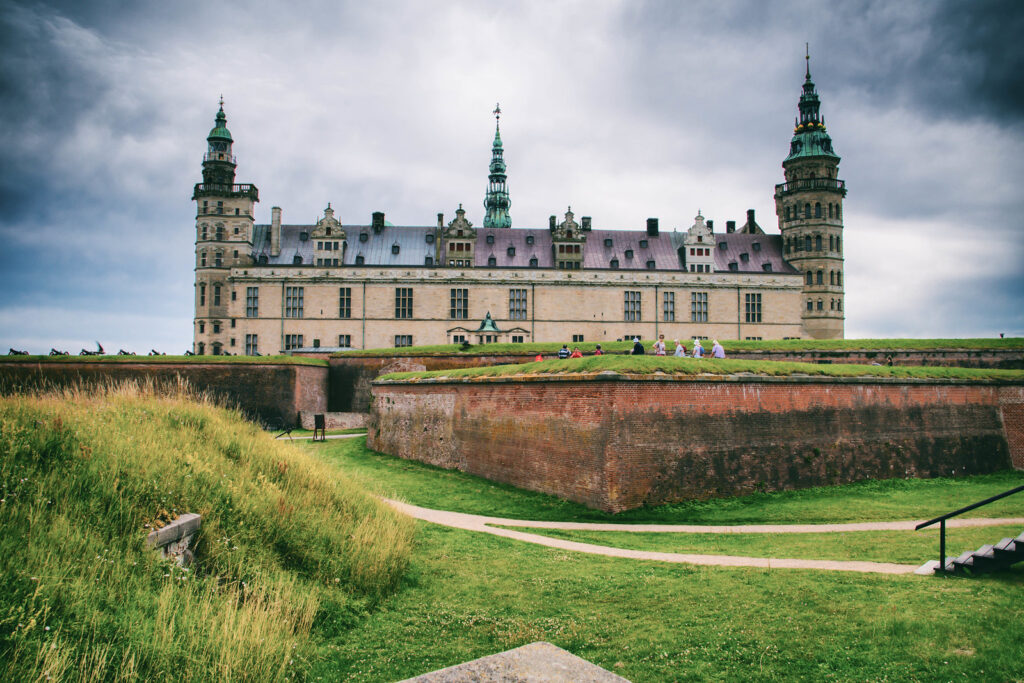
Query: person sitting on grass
x=638 y=348
x=563 y=352
x=598 y=351
x=717 y=351
x=680 y=349
x=576 y=353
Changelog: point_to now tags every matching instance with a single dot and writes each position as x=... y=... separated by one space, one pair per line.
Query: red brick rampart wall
x=271 y=393
x=616 y=443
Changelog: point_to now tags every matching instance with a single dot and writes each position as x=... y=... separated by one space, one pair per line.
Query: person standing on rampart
x=659 y=346
x=698 y=350
x=680 y=349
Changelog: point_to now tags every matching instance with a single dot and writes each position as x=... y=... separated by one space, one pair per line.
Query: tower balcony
x=804 y=184
x=224 y=190
x=220 y=156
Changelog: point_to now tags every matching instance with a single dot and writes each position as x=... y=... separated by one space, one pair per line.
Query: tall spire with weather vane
x=497 y=201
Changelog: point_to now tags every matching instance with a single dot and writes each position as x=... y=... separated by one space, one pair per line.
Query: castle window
x=202 y=294
x=360 y=260
x=839 y=278
x=216 y=328
x=820 y=305
x=831 y=277
x=650 y=265
x=614 y=264
x=839 y=304
x=216 y=295
x=218 y=259
x=220 y=232
x=511 y=251
x=723 y=245
x=220 y=207
x=807 y=210
x=344 y=302
x=202 y=327
x=631 y=301
x=753 y=308
x=830 y=205
x=669 y=307
x=607 y=241
x=303 y=236
x=205 y=231
x=236 y=253
x=202 y=259
x=293 y=302
x=320 y=245
x=629 y=253
x=459 y=304
x=345 y=341
x=402 y=340
x=810 y=305
x=787 y=213
x=807 y=242
x=363 y=237
x=328 y=231
x=533 y=262
x=817 y=243
x=297 y=261
x=252 y=345
x=831 y=243
x=252 y=303
x=756 y=246
x=428 y=261
x=733 y=266
x=577 y=338
x=643 y=244
x=810 y=278
x=817 y=209
x=492 y=261
x=490 y=239
x=744 y=257
x=395 y=248
x=403 y=302
x=839 y=244
x=529 y=239
x=766 y=267
x=292 y=341
x=264 y=260
x=821 y=278
x=832 y=305
x=517 y=339
x=839 y=213
x=517 y=304
x=698 y=307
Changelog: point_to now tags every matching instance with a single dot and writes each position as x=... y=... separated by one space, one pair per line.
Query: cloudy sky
x=622 y=109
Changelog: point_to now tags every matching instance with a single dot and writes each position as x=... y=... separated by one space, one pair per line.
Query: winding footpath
x=491 y=525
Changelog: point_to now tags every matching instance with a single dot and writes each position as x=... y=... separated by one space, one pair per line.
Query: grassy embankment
x=163 y=360
x=730 y=345
x=289 y=554
x=669 y=365
x=470 y=594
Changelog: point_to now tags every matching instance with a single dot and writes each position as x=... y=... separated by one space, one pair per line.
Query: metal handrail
x=941 y=519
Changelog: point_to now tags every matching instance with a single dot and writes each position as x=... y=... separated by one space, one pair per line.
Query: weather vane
x=497 y=111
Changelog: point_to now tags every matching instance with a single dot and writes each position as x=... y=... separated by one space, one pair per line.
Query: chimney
x=730 y=226
x=378 y=222
x=275 y=231
x=586 y=223
x=652 y=227
x=710 y=224
x=440 y=220
x=551 y=223
x=750 y=217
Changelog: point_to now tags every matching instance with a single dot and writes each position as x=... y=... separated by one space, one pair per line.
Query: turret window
x=810 y=278
x=529 y=239
x=492 y=261
x=807 y=210
x=807 y=242
x=490 y=239
x=831 y=243
x=202 y=259
x=839 y=278
x=650 y=265
x=428 y=261
x=839 y=304
x=787 y=213
x=297 y=261
x=643 y=244
x=205 y=235
x=810 y=305
x=817 y=210
x=831 y=277
x=614 y=265
x=820 y=305
x=360 y=260
x=629 y=253
x=220 y=232
x=202 y=294
x=821 y=277
x=218 y=259
x=395 y=248
x=830 y=209
x=511 y=251
x=839 y=244
x=817 y=243
x=607 y=241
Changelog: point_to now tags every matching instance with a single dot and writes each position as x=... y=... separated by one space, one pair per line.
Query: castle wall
x=271 y=393
x=615 y=443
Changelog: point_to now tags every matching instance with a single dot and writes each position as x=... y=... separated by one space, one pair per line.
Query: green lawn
x=669 y=365
x=893 y=499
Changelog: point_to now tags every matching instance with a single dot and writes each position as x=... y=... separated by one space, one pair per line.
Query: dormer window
x=529 y=239
x=614 y=264
x=428 y=261
x=723 y=245
x=700 y=238
x=511 y=251
x=363 y=236
x=430 y=238
x=492 y=261
x=328 y=231
x=629 y=253
x=395 y=248
x=650 y=265
x=297 y=261
x=360 y=260
x=607 y=241
x=303 y=236
x=490 y=239
x=643 y=244
x=733 y=266
x=744 y=257
x=756 y=246
x=458 y=233
x=767 y=267
x=264 y=260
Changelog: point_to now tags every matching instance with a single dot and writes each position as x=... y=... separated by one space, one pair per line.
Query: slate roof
x=413 y=248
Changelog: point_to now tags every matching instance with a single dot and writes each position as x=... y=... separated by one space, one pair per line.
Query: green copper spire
x=220 y=128
x=497 y=201
x=810 y=138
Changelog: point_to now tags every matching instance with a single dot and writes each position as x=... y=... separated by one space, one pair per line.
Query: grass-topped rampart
x=171 y=360
x=289 y=553
x=731 y=346
x=671 y=366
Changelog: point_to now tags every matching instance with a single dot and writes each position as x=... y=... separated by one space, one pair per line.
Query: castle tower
x=497 y=201
x=224 y=227
x=810 y=210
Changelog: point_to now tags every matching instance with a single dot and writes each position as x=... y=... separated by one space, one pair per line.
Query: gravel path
x=460 y=520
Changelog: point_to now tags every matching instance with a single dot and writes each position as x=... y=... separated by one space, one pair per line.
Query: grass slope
x=289 y=553
x=730 y=345
x=669 y=365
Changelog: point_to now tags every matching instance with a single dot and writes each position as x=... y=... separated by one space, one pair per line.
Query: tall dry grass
x=287 y=552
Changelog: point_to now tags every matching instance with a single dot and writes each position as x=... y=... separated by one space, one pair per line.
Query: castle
x=264 y=289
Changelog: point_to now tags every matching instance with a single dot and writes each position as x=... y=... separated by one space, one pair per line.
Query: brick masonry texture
x=620 y=444
x=272 y=394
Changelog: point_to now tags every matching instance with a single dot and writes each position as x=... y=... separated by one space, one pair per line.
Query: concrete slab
x=531 y=663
